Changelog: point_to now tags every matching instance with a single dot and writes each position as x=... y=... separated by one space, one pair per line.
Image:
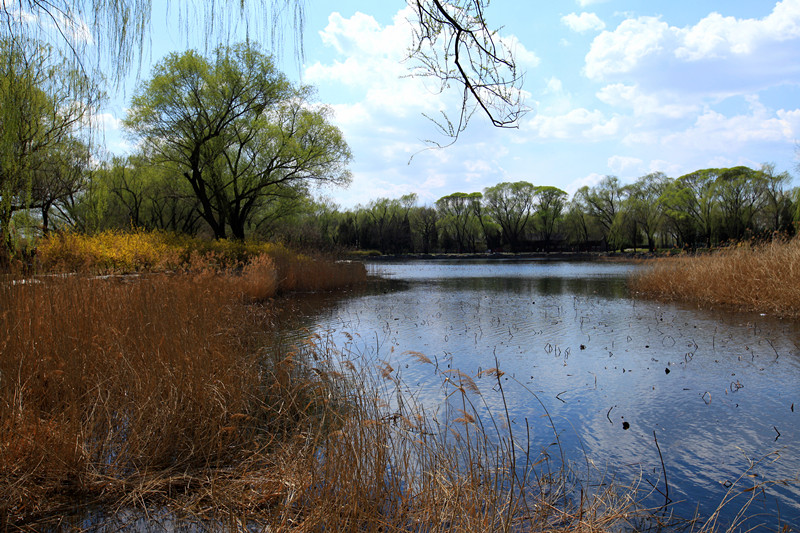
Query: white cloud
x=667 y=167
x=663 y=104
x=717 y=37
x=712 y=134
x=622 y=164
x=718 y=53
x=621 y=50
x=522 y=56
x=554 y=86
x=583 y=22
x=107 y=122
x=590 y=181
x=578 y=123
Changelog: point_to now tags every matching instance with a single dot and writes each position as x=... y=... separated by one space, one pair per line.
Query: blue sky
x=616 y=87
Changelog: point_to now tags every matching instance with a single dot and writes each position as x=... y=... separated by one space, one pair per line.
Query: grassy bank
x=753 y=277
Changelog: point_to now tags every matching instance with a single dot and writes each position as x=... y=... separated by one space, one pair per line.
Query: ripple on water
x=714 y=387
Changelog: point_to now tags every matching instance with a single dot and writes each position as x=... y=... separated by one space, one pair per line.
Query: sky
x=613 y=87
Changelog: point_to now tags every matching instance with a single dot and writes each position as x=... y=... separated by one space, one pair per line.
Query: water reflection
x=717 y=389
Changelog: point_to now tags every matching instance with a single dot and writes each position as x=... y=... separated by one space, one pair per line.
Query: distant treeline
x=702 y=209
x=228 y=147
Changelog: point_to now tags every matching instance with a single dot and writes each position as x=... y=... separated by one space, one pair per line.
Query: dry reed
x=752 y=277
x=171 y=395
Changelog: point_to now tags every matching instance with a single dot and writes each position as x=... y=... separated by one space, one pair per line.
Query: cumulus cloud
x=718 y=37
x=522 y=56
x=583 y=22
x=664 y=104
x=590 y=181
x=622 y=164
x=621 y=50
x=667 y=167
x=715 y=132
x=717 y=53
x=579 y=123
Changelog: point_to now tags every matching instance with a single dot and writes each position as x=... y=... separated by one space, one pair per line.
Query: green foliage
x=511 y=205
x=238 y=132
x=42 y=112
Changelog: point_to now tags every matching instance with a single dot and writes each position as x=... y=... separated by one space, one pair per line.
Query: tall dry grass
x=753 y=277
x=171 y=393
x=118 y=390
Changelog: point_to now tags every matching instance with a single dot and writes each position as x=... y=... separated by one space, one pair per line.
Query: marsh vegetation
x=475 y=396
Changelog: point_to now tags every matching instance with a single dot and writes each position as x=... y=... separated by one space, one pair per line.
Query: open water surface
x=614 y=372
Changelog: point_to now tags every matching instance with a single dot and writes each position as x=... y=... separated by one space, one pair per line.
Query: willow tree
x=550 y=204
x=604 y=203
x=512 y=206
x=643 y=205
x=43 y=108
x=239 y=132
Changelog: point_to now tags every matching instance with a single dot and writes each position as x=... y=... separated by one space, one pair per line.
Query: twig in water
x=667 y=501
x=778 y=432
x=777 y=355
x=609 y=413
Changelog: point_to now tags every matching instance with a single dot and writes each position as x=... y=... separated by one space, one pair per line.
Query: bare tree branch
x=453 y=45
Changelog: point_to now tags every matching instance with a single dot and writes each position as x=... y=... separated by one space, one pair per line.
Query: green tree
x=690 y=204
x=512 y=206
x=456 y=218
x=40 y=118
x=423 y=224
x=550 y=203
x=581 y=228
x=777 y=213
x=238 y=131
x=643 y=205
x=740 y=192
x=604 y=202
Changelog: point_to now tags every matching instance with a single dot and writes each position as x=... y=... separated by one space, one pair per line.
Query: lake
x=602 y=372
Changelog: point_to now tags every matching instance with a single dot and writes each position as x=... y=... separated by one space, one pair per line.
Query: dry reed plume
x=753 y=277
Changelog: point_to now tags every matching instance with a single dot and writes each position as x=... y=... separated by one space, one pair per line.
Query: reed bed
x=762 y=278
x=171 y=396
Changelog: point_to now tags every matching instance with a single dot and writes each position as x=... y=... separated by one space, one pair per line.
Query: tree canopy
x=237 y=131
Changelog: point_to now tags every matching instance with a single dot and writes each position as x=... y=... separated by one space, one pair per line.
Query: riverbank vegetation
x=761 y=277
x=168 y=393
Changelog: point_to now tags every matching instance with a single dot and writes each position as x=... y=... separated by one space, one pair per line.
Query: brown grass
x=752 y=277
x=171 y=395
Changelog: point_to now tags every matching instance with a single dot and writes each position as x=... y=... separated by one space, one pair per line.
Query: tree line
x=702 y=209
x=226 y=145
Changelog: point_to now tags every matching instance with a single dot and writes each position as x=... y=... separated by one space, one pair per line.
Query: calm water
x=717 y=389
